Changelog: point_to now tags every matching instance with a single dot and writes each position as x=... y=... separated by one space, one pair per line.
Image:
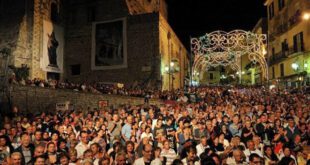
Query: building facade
x=288 y=41
x=109 y=41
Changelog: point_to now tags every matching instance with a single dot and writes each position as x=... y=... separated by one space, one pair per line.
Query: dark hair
x=285 y=161
x=252 y=156
x=177 y=162
x=38 y=157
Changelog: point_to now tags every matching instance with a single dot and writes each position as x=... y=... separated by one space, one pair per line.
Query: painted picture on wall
x=109 y=45
x=53 y=45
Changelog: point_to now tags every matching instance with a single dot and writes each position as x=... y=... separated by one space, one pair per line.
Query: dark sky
x=197 y=17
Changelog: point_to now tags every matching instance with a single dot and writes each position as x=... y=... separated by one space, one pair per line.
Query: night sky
x=197 y=17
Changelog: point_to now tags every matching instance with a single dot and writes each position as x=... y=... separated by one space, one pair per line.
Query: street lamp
x=306 y=16
x=295 y=66
x=170 y=70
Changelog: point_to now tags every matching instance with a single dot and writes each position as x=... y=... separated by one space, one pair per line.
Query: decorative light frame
x=220 y=48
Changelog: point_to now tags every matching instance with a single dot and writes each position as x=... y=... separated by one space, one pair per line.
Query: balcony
x=277 y=58
x=293 y=20
x=281 y=29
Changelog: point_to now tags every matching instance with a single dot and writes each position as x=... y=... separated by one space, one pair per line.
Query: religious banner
x=109 y=45
x=53 y=48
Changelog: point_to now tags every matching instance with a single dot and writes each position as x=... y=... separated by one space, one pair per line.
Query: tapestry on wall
x=53 y=48
x=109 y=45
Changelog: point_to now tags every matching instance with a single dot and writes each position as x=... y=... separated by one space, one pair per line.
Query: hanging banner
x=109 y=45
x=53 y=48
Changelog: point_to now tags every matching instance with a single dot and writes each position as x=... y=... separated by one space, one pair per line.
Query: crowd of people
x=222 y=125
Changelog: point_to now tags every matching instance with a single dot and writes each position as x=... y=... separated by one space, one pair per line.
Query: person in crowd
x=226 y=125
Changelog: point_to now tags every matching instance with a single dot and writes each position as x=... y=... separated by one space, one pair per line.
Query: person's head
x=115 y=117
x=50 y=147
x=38 y=151
x=55 y=136
x=84 y=137
x=2 y=141
x=39 y=160
x=88 y=154
x=130 y=146
x=73 y=154
x=237 y=154
x=291 y=122
x=268 y=150
x=129 y=119
x=255 y=159
x=16 y=158
x=147 y=152
x=191 y=153
x=95 y=148
x=64 y=159
x=216 y=158
x=236 y=119
x=148 y=129
x=120 y=158
x=203 y=140
x=177 y=162
x=25 y=140
x=286 y=161
x=166 y=144
x=251 y=145
x=37 y=135
x=157 y=152
x=286 y=151
x=104 y=161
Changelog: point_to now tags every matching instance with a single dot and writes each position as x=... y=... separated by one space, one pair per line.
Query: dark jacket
x=19 y=149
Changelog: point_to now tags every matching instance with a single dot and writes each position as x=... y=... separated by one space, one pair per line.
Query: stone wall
x=36 y=99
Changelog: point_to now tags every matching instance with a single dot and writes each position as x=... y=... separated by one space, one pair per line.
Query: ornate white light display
x=226 y=48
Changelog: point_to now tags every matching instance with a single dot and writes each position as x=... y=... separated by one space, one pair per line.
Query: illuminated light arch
x=221 y=48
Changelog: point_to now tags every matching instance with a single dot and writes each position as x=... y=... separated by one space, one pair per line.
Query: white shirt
x=200 y=149
x=81 y=148
x=247 y=153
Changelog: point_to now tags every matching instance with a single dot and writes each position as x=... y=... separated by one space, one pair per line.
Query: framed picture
x=109 y=45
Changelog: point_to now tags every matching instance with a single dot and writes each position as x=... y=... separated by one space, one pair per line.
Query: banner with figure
x=109 y=45
x=53 y=48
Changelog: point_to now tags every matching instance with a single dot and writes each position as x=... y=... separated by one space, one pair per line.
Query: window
x=273 y=73
x=75 y=69
x=284 y=46
x=281 y=4
x=91 y=14
x=282 y=69
x=273 y=53
x=211 y=76
x=271 y=10
x=298 y=42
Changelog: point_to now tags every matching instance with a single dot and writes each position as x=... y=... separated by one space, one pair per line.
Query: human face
x=256 y=161
x=121 y=160
x=2 y=142
x=38 y=136
x=38 y=151
x=129 y=148
x=166 y=145
x=84 y=138
x=39 y=161
x=237 y=156
x=94 y=149
x=51 y=148
x=147 y=152
x=25 y=140
x=16 y=160
x=191 y=155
